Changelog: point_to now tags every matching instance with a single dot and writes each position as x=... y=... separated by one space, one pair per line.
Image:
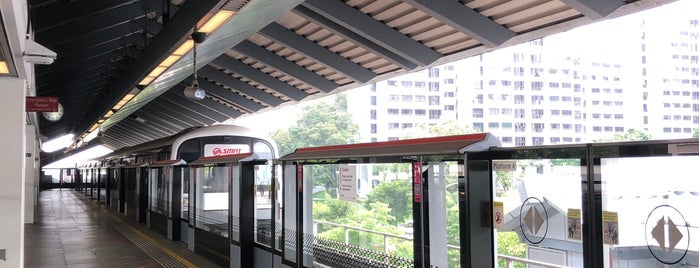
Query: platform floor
x=72 y=231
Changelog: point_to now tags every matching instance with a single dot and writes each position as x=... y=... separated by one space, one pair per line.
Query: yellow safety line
x=148 y=238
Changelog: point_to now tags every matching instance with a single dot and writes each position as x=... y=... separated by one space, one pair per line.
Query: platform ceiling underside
x=311 y=49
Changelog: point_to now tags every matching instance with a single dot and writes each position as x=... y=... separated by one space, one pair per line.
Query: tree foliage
x=320 y=124
x=397 y=195
x=632 y=135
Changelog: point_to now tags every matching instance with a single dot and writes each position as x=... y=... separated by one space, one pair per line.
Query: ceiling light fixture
x=4 y=69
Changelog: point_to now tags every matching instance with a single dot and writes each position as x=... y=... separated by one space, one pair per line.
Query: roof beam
x=466 y=20
x=227 y=95
x=215 y=105
x=159 y=122
x=198 y=120
x=162 y=117
x=260 y=77
x=194 y=106
x=67 y=11
x=148 y=130
x=314 y=51
x=354 y=37
x=107 y=19
x=96 y=38
x=594 y=9
x=179 y=27
x=234 y=83
x=374 y=30
x=167 y=114
x=282 y=64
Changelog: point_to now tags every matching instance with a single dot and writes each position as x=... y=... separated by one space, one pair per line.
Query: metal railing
x=509 y=260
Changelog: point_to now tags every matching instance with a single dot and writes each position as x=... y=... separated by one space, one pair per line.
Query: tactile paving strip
x=154 y=252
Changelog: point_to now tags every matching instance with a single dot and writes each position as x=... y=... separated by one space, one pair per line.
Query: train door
x=184 y=190
x=131 y=200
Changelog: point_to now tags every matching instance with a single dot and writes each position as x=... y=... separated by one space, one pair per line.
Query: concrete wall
x=12 y=165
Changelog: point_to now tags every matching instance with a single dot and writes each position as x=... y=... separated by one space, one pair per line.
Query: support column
x=31 y=167
x=12 y=160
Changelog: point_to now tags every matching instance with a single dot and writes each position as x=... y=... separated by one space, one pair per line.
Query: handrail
x=509 y=260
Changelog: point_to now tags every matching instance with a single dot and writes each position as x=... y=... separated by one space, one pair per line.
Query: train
x=426 y=202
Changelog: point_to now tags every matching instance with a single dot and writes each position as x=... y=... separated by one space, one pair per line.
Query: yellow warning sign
x=574 y=224
x=610 y=228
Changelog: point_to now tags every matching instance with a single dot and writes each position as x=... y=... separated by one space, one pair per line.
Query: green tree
x=320 y=124
x=632 y=135
x=695 y=134
x=508 y=244
x=397 y=194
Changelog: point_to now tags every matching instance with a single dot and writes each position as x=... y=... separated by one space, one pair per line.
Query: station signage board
x=41 y=104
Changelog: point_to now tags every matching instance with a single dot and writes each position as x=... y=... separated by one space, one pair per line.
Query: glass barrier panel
x=184 y=202
x=158 y=190
x=263 y=204
x=537 y=213
x=289 y=204
x=278 y=190
x=443 y=205
x=650 y=215
x=212 y=200
x=361 y=212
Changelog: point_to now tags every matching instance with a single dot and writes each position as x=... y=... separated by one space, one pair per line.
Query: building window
x=519 y=85
x=406 y=111
x=406 y=98
x=373 y=114
x=537 y=86
x=519 y=113
x=373 y=100
x=434 y=86
x=520 y=141
x=493 y=111
x=420 y=84
x=493 y=125
x=506 y=111
x=420 y=98
x=373 y=128
x=478 y=126
x=538 y=127
x=448 y=107
x=434 y=72
x=506 y=125
x=536 y=141
x=406 y=83
x=420 y=112
x=449 y=94
x=435 y=114
x=520 y=127
x=434 y=100
x=477 y=113
x=537 y=113
x=406 y=125
x=393 y=97
x=449 y=81
x=393 y=125
x=392 y=111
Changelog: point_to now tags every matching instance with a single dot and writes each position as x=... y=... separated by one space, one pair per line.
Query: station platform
x=72 y=231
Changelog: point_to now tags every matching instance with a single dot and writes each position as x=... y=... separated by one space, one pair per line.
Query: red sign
x=299 y=176
x=42 y=104
x=417 y=183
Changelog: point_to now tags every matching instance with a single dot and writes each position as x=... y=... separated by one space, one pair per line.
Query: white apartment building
x=644 y=78
x=670 y=76
x=392 y=109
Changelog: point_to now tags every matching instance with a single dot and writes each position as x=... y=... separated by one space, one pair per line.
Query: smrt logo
x=220 y=152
